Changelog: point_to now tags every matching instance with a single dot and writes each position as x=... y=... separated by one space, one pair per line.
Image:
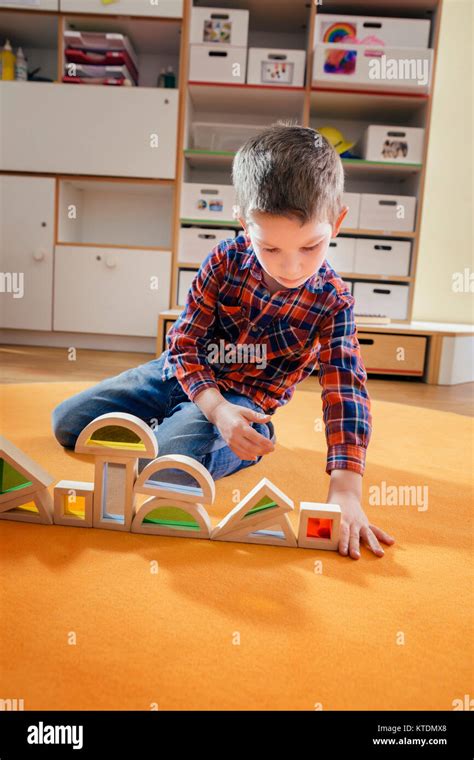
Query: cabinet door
x=173 y=8
x=26 y=251
x=110 y=290
x=89 y=129
x=31 y=5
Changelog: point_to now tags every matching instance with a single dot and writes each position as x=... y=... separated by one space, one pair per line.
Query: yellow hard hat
x=336 y=138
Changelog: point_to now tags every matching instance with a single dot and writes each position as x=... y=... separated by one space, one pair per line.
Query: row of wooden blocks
x=174 y=508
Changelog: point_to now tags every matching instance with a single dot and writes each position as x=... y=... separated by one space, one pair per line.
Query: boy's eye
x=270 y=250
x=310 y=248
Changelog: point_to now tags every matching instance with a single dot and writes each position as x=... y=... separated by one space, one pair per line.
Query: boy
x=270 y=297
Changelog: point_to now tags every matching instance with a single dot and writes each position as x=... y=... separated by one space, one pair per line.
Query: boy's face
x=288 y=252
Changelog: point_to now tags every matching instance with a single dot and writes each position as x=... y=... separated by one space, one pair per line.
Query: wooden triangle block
x=261 y=507
x=19 y=475
x=277 y=532
x=33 y=508
x=169 y=517
x=319 y=526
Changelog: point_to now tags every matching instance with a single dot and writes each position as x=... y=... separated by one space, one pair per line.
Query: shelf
x=203 y=159
x=291 y=18
x=407 y=8
x=208 y=223
x=375 y=277
x=242 y=98
x=377 y=233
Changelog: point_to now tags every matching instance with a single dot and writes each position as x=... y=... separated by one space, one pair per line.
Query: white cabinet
x=86 y=129
x=170 y=8
x=31 y=5
x=111 y=291
x=26 y=252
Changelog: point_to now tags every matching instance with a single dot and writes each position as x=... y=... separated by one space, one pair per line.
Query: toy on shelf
x=24 y=494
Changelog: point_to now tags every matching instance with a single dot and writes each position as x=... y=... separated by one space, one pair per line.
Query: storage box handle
x=220 y=15
x=383 y=291
x=383 y=247
x=207 y=236
x=396 y=134
x=209 y=191
x=277 y=56
x=366 y=341
x=372 y=25
x=387 y=203
x=333 y=244
x=219 y=53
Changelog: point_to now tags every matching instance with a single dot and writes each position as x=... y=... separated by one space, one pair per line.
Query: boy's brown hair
x=288 y=170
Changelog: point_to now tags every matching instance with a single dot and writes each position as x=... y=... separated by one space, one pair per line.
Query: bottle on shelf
x=8 y=62
x=21 y=66
x=170 y=78
x=161 y=78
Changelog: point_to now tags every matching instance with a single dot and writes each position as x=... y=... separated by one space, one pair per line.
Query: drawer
x=185 y=278
x=165 y=8
x=210 y=202
x=59 y=128
x=352 y=200
x=400 y=144
x=109 y=290
x=386 y=257
x=381 y=298
x=276 y=67
x=393 y=354
x=387 y=212
x=341 y=254
x=208 y=63
x=195 y=243
x=220 y=27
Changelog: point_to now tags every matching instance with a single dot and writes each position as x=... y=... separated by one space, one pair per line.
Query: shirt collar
x=249 y=261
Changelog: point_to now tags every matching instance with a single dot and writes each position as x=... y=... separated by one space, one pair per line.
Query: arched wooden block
x=12 y=510
x=200 y=529
x=170 y=490
x=145 y=448
x=19 y=475
x=242 y=518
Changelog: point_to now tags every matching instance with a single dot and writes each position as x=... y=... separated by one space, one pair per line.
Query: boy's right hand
x=234 y=424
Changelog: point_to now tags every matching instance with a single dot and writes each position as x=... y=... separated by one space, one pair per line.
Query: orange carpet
x=232 y=626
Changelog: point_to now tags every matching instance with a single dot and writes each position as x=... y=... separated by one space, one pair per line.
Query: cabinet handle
x=110 y=262
x=39 y=255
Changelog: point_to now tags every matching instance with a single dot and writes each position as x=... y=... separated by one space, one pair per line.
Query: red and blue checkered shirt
x=229 y=305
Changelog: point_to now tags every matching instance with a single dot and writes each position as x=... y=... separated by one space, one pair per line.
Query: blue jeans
x=178 y=424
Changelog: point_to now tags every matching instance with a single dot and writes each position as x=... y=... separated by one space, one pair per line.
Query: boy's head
x=288 y=182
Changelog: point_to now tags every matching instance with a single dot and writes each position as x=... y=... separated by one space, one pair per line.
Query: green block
x=11 y=479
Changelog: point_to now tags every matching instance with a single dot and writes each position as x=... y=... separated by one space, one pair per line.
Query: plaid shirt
x=228 y=303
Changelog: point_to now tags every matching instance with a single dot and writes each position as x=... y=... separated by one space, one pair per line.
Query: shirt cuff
x=346 y=456
x=195 y=382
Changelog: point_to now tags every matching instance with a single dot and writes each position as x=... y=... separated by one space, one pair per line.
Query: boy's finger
x=344 y=539
x=252 y=414
x=258 y=439
x=371 y=541
x=354 y=542
x=382 y=535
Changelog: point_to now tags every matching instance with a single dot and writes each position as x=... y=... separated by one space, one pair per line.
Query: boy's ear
x=337 y=224
x=243 y=225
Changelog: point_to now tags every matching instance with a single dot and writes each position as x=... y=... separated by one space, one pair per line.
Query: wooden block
x=277 y=532
x=35 y=507
x=204 y=493
x=117 y=434
x=181 y=519
x=69 y=497
x=319 y=526
x=19 y=475
x=114 y=510
x=262 y=506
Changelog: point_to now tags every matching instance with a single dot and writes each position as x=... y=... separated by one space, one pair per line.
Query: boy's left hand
x=355 y=526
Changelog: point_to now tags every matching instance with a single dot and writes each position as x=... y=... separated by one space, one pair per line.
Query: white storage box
x=403 y=144
x=397 y=32
x=195 y=243
x=212 y=202
x=185 y=278
x=381 y=298
x=388 y=257
x=387 y=212
x=340 y=254
x=221 y=136
x=276 y=67
x=219 y=26
x=209 y=64
x=376 y=68
x=352 y=219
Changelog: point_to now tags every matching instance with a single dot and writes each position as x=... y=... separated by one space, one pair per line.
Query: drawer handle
x=372 y=25
x=277 y=56
x=366 y=341
x=383 y=291
x=209 y=191
x=383 y=247
x=333 y=245
x=387 y=203
x=396 y=134
x=220 y=15
x=219 y=53
x=207 y=237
